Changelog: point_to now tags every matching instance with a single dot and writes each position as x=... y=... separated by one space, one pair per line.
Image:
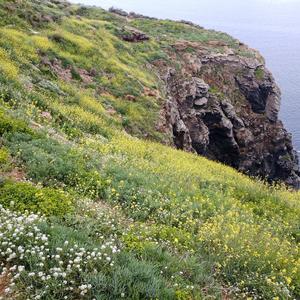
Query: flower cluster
x=27 y=255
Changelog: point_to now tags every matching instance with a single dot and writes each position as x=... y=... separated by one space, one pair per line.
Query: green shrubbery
x=4 y=155
x=51 y=163
x=26 y=197
x=11 y=125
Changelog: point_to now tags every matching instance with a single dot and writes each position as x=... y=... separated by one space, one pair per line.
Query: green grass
x=184 y=227
x=178 y=31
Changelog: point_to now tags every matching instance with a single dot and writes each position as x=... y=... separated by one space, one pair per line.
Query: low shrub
x=7 y=66
x=26 y=197
x=3 y=156
x=9 y=124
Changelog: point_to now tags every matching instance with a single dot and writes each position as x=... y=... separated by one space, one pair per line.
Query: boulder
x=200 y=102
x=134 y=36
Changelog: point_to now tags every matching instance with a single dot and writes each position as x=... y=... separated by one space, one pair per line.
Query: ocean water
x=271 y=26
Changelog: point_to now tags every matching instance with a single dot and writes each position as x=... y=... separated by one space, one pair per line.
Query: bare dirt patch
x=4 y=283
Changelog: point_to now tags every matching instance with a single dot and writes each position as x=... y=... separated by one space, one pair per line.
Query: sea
x=270 y=26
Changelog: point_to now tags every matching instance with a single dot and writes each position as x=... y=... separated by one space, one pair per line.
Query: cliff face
x=225 y=106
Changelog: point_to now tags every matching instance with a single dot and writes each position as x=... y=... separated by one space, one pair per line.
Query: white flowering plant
x=30 y=257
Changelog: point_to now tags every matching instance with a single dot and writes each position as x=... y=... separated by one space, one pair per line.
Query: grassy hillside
x=92 y=206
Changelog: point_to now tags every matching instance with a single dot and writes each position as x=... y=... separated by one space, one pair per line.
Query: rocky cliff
x=225 y=106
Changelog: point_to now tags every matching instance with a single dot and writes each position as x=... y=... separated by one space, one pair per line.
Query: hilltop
x=97 y=202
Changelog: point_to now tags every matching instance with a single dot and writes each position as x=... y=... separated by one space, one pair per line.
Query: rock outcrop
x=118 y=11
x=133 y=35
x=225 y=106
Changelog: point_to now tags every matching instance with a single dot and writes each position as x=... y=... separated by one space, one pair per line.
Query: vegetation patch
x=4 y=155
x=259 y=73
x=6 y=65
x=10 y=125
x=25 y=197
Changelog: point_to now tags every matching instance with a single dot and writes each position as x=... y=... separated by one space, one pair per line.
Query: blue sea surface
x=271 y=26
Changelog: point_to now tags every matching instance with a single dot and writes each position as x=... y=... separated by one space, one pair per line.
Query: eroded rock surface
x=133 y=35
x=225 y=106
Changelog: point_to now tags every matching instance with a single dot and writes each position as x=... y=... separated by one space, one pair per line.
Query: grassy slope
x=186 y=227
